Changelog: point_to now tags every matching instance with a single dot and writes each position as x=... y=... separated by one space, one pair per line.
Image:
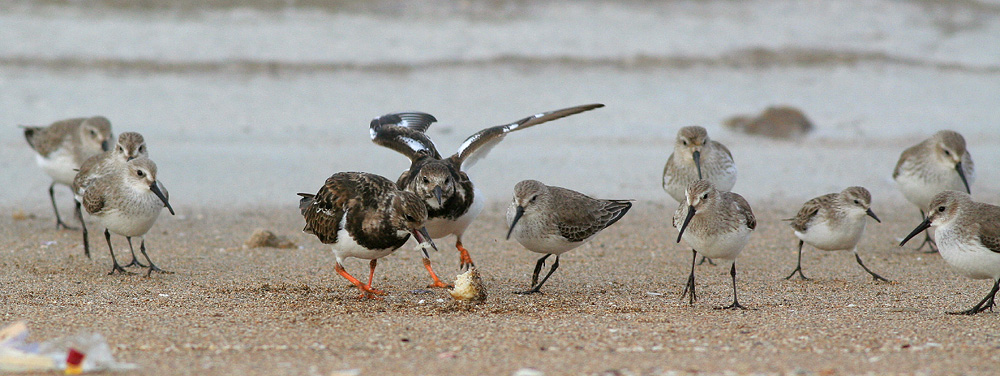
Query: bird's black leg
x=706 y=259
x=135 y=261
x=83 y=226
x=116 y=268
x=690 y=283
x=875 y=277
x=927 y=237
x=736 y=302
x=798 y=266
x=152 y=267
x=538 y=268
x=59 y=221
x=555 y=265
x=986 y=303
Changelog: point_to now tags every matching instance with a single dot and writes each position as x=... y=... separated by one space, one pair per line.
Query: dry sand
x=613 y=306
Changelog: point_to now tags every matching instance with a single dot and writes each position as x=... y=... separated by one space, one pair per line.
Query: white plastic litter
x=62 y=354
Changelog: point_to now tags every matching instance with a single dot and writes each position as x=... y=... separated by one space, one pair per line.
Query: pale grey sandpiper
x=716 y=223
x=365 y=216
x=936 y=164
x=127 y=201
x=552 y=220
x=130 y=145
x=63 y=146
x=452 y=200
x=697 y=157
x=833 y=222
x=968 y=237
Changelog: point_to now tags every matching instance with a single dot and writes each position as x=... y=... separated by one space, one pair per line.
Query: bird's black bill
x=961 y=174
x=517 y=216
x=687 y=220
x=106 y=145
x=920 y=228
x=156 y=190
x=423 y=237
x=872 y=214
x=697 y=162
x=437 y=194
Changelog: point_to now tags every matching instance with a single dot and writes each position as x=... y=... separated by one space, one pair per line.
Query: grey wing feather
x=743 y=208
x=596 y=220
x=989 y=229
x=808 y=211
x=479 y=145
x=404 y=133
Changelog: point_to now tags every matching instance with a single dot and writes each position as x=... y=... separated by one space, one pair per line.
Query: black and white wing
x=478 y=145
x=404 y=133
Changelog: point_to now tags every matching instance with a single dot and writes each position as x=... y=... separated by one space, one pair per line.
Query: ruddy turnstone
x=968 y=237
x=452 y=200
x=62 y=146
x=552 y=220
x=365 y=216
x=936 y=164
x=834 y=222
x=716 y=223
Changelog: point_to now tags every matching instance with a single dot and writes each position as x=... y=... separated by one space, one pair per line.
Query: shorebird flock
x=367 y=216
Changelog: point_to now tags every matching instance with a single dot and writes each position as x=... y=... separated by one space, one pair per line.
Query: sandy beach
x=244 y=104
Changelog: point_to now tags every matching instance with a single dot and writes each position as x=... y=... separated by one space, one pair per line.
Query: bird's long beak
x=422 y=237
x=686 y=221
x=106 y=145
x=156 y=190
x=961 y=174
x=517 y=216
x=697 y=162
x=872 y=214
x=920 y=228
x=437 y=194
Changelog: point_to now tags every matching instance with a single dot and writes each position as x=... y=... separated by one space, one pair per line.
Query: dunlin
x=968 y=237
x=833 y=222
x=130 y=145
x=63 y=146
x=364 y=216
x=715 y=223
x=936 y=164
x=127 y=201
x=552 y=220
x=452 y=200
x=697 y=157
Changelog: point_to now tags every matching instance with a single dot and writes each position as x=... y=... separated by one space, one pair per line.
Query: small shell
x=469 y=287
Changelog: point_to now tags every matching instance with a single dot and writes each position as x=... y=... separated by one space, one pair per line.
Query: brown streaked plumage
x=716 y=223
x=553 y=220
x=452 y=200
x=63 y=146
x=939 y=163
x=365 y=216
x=833 y=222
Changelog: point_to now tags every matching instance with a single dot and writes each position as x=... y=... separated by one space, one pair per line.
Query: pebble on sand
x=264 y=238
x=469 y=287
x=781 y=122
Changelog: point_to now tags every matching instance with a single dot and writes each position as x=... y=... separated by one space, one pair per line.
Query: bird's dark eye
x=142 y=149
x=93 y=133
x=121 y=150
x=704 y=196
x=409 y=218
x=426 y=180
x=940 y=209
x=948 y=153
x=140 y=173
x=685 y=142
x=856 y=202
x=533 y=198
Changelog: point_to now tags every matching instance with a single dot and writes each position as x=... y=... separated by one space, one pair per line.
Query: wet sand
x=613 y=305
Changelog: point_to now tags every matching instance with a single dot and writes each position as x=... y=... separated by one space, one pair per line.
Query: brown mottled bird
x=365 y=216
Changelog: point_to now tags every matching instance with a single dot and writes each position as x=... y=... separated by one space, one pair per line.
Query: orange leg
x=366 y=292
x=371 y=277
x=463 y=255
x=437 y=281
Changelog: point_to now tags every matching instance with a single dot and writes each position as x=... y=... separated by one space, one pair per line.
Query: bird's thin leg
x=798 y=266
x=706 y=259
x=59 y=222
x=875 y=277
x=437 y=281
x=152 y=267
x=690 y=283
x=83 y=226
x=365 y=291
x=986 y=303
x=927 y=237
x=371 y=277
x=135 y=261
x=538 y=269
x=115 y=268
x=465 y=261
x=736 y=302
x=555 y=265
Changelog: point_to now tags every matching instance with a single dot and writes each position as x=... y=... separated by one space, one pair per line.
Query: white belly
x=972 y=260
x=553 y=244
x=822 y=236
x=720 y=246
x=439 y=227
x=920 y=191
x=59 y=165
x=128 y=224
x=346 y=247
